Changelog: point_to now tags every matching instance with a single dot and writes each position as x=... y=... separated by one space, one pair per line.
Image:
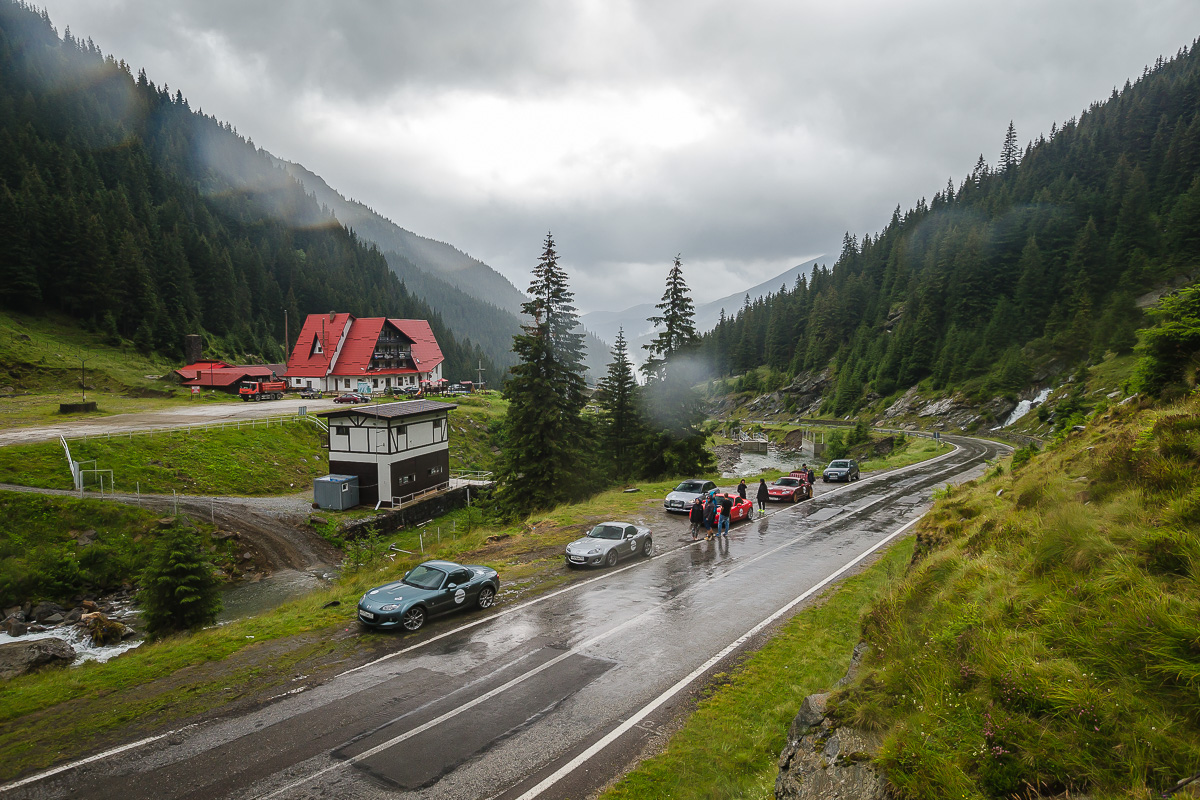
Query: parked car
x=742 y=508
x=680 y=499
x=841 y=469
x=427 y=590
x=790 y=488
x=352 y=397
x=608 y=542
x=310 y=394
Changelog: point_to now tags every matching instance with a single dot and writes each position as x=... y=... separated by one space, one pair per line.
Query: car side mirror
x=451 y=586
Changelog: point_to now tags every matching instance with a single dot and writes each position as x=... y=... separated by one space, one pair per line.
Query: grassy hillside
x=1047 y=634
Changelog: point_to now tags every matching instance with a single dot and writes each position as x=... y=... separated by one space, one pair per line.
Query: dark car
x=427 y=590
x=841 y=469
x=351 y=397
x=608 y=542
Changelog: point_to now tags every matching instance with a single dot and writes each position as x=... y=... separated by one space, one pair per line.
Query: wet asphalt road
x=549 y=698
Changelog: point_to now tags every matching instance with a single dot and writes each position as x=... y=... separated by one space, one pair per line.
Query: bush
x=179 y=591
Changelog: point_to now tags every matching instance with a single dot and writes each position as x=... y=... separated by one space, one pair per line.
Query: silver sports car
x=608 y=542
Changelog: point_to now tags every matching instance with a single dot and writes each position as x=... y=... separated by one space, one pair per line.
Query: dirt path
x=274 y=529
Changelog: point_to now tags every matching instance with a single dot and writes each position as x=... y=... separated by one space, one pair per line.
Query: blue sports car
x=428 y=589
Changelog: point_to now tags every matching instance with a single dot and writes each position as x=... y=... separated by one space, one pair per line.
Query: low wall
x=391 y=520
x=76 y=408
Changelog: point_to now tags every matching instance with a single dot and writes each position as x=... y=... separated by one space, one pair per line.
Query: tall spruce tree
x=670 y=407
x=546 y=440
x=1010 y=151
x=621 y=429
x=677 y=321
x=179 y=591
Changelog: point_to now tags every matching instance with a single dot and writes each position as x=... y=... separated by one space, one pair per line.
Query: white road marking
x=98 y=757
x=541 y=598
x=649 y=708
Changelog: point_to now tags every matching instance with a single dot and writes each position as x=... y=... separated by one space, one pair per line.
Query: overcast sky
x=746 y=136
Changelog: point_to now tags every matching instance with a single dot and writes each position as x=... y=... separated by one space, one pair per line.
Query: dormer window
x=316 y=346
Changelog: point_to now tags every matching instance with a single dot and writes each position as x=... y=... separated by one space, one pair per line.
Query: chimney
x=332 y=315
x=193 y=348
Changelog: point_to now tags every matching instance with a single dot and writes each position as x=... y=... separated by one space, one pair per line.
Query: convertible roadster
x=790 y=488
x=742 y=509
x=609 y=541
x=429 y=589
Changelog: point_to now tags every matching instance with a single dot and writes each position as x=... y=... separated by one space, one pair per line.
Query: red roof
x=353 y=341
x=217 y=373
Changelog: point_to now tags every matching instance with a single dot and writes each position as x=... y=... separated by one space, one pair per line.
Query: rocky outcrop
x=807 y=391
x=18 y=658
x=826 y=761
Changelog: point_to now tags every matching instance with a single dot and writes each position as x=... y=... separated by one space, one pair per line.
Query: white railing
x=470 y=475
x=400 y=502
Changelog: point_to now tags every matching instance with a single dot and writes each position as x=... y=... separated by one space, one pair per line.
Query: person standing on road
x=696 y=516
x=811 y=477
x=726 y=511
x=742 y=489
x=763 y=494
x=710 y=508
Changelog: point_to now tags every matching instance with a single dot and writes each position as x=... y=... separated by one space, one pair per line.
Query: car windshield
x=788 y=482
x=606 y=532
x=424 y=577
x=839 y=464
x=695 y=487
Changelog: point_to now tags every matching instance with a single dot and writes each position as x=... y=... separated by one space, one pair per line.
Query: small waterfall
x=1023 y=408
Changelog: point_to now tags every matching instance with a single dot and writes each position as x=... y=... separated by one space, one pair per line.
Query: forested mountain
x=117 y=207
x=1029 y=266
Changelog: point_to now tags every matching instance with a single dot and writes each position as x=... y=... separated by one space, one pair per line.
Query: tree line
x=558 y=447
x=1025 y=270
x=116 y=208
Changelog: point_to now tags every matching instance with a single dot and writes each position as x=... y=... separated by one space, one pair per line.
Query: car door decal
x=460 y=595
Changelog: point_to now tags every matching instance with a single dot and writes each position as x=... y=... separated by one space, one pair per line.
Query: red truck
x=262 y=390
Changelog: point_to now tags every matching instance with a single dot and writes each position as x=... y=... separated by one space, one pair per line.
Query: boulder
x=43 y=610
x=73 y=615
x=102 y=629
x=18 y=658
x=56 y=618
x=824 y=761
x=14 y=626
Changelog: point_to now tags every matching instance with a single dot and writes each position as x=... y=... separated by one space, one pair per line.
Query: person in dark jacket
x=726 y=510
x=763 y=494
x=710 y=510
x=742 y=489
x=696 y=517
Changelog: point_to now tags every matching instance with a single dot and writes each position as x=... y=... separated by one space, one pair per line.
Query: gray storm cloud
x=746 y=136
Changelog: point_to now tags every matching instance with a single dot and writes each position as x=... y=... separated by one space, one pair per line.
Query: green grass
x=42 y=556
x=1049 y=636
x=252 y=460
x=730 y=746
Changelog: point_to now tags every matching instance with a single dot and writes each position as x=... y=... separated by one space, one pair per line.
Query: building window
x=435 y=470
x=375 y=382
x=341 y=430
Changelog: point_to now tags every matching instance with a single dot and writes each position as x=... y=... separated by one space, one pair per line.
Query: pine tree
x=677 y=321
x=546 y=440
x=1010 y=152
x=616 y=394
x=671 y=409
x=179 y=591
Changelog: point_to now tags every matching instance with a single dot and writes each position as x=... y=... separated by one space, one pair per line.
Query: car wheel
x=413 y=619
x=648 y=547
x=487 y=596
x=610 y=560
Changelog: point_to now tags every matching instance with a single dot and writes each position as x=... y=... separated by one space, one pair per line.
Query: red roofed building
x=338 y=353
x=226 y=377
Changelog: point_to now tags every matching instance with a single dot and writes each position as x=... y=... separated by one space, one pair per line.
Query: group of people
x=709 y=513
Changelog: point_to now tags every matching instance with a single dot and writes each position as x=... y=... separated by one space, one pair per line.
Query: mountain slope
x=127 y=211
x=1024 y=272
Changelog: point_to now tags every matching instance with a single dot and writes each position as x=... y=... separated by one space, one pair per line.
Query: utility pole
x=480 y=371
x=287 y=341
x=83 y=375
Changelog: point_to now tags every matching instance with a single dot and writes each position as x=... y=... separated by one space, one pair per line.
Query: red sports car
x=790 y=488
x=742 y=509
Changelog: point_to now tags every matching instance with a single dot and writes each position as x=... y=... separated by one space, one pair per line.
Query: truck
x=262 y=390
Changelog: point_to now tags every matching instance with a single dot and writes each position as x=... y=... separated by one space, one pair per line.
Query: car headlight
x=595 y=551
x=389 y=607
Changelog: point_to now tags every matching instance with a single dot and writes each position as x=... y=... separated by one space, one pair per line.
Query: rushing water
x=757 y=463
x=1023 y=408
x=75 y=636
